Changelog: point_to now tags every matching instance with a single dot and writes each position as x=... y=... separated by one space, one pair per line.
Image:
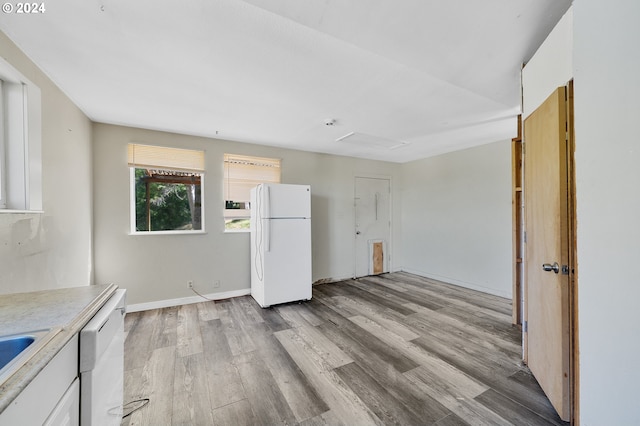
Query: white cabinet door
x=67 y=412
x=40 y=398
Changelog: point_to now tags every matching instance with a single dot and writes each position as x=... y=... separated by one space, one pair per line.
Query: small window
x=20 y=142
x=166 y=189
x=241 y=173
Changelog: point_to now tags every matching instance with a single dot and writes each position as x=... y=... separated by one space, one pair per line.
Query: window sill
x=237 y=231
x=167 y=233
x=9 y=211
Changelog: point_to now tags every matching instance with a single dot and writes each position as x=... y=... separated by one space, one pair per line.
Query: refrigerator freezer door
x=285 y=201
x=287 y=265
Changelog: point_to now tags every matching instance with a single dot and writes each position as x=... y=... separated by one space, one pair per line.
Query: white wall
x=550 y=67
x=456 y=218
x=599 y=41
x=606 y=64
x=157 y=267
x=51 y=249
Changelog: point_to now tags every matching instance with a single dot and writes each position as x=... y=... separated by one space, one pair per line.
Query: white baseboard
x=186 y=300
x=459 y=283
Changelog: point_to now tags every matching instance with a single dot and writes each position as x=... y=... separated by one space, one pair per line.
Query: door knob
x=549 y=267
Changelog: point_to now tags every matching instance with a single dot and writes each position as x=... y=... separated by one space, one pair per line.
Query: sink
x=17 y=349
x=12 y=346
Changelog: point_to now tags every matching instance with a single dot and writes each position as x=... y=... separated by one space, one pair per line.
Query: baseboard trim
x=458 y=283
x=136 y=307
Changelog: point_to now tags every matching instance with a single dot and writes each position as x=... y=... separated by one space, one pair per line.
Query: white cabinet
x=50 y=393
x=67 y=411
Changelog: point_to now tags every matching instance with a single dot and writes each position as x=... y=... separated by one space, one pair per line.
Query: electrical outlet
x=216 y=284
x=189 y=284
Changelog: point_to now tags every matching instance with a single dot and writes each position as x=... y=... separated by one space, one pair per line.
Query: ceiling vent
x=370 y=141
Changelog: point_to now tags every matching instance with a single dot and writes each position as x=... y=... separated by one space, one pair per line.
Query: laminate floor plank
x=347 y=406
x=467 y=409
x=304 y=401
x=308 y=314
x=243 y=311
x=365 y=309
x=475 y=297
x=471 y=331
x=166 y=333
x=463 y=342
x=357 y=342
x=385 y=406
x=327 y=418
x=499 y=327
x=191 y=404
x=488 y=372
x=293 y=314
x=385 y=288
x=273 y=319
x=420 y=295
x=388 y=349
x=239 y=341
x=132 y=390
x=267 y=402
x=508 y=409
x=451 y=420
x=237 y=414
x=466 y=304
x=223 y=380
x=365 y=292
x=156 y=383
x=189 y=339
x=138 y=344
x=322 y=345
x=207 y=311
x=384 y=369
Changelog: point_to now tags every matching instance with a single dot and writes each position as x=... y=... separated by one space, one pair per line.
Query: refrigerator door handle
x=267 y=236
x=268 y=203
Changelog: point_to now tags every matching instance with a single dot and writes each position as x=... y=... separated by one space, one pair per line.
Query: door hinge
x=525 y=326
x=525 y=236
x=523 y=148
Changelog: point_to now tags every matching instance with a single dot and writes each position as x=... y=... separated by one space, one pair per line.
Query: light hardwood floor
x=390 y=349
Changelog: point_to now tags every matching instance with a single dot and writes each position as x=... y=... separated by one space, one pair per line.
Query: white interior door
x=373 y=225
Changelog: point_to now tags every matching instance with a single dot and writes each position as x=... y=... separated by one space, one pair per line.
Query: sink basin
x=12 y=346
x=17 y=349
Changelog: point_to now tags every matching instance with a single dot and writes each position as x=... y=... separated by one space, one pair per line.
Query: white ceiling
x=432 y=75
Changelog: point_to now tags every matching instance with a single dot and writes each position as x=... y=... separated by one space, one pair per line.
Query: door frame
x=573 y=259
x=574 y=353
x=390 y=243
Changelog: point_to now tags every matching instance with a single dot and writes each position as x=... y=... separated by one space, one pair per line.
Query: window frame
x=20 y=143
x=132 y=194
x=246 y=213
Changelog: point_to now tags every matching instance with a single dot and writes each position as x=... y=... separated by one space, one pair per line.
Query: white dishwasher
x=102 y=364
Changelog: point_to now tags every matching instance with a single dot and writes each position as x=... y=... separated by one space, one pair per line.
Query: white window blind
x=241 y=173
x=161 y=157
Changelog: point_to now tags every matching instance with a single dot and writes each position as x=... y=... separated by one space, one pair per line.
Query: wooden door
x=547 y=336
x=373 y=225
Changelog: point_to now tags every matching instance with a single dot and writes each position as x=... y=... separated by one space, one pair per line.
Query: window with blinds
x=166 y=189
x=241 y=173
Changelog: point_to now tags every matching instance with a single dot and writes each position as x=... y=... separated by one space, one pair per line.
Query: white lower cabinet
x=67 y=412
x=54 y=391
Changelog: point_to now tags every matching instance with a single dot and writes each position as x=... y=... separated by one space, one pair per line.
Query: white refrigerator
x=280 y=243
